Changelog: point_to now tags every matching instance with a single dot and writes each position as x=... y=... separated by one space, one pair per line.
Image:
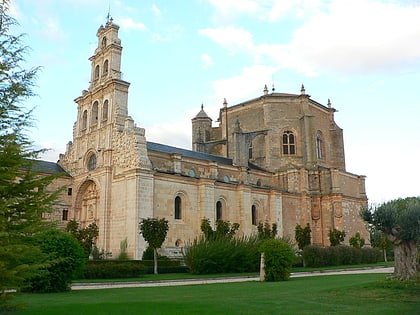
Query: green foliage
x=65 y=262
x=357 y=241
x=224 y=229
x=398 y=219
x=23 y=193
x=303 y=235
x=265 y=231
x=113 y=269
x=85 y=236
x=148 y=254
x=316 y=256
x=336 y=237
x=166 y=266
x=223 y=255
x=154 y=231
x=278 y=259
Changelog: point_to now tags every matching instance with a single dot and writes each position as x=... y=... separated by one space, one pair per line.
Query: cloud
x=130 y=24
x=244 y=85
x=207 y=60
x=346 y=37
x=231 y=38
x=174 y=134
x=156 y=11
x=383 y=36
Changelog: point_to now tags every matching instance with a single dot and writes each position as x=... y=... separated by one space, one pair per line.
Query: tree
x=399 y=220
x=357 y=241
x=265 y=231
x=336 y=237
x=86 y=236
x=154 y=232
x=24 y=196
x=303 y=236
x=378 y=239
x=224 y=229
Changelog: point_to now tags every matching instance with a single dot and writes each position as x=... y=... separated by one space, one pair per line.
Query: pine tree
x=23 y=193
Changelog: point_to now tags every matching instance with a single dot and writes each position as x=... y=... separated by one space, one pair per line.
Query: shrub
x=316 y=256
x=66 y=262
x=165 y=266
x=111 y=269
x=371 y=255
x=148 y=254
x=336 y=237
x=278 y=259
x=303 y=236
x=357 y=241
x=223 y=255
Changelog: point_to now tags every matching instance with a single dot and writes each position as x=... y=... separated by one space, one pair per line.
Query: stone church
x=278 y=158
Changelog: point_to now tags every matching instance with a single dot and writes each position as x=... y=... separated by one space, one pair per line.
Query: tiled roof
x=152 y=146
x=47 y=167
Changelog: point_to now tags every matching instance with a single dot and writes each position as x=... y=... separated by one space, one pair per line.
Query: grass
x=342 y=294
x=178 y=276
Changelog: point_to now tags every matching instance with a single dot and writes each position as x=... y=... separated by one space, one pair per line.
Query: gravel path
x=166 y=283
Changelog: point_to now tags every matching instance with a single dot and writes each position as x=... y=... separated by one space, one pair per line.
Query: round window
x=91 y=162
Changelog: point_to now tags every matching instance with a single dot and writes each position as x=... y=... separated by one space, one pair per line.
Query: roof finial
x=224 y=102
x=329 y=103
x=265 y=89
x=108 y=16
x=272 y=87
x=202 y=106
x=302 y=90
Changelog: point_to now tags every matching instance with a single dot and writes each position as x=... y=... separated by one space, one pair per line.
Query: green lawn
x=343 y=294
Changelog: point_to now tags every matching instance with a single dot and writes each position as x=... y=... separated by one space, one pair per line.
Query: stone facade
x=278 y=159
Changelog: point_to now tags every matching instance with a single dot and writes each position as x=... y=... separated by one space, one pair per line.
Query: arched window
x=254 y=215
x=84 y=120
x=96 y=75
x=289 y=143
x=178 y=208
x=104 y=42
x=94 y=115
x=105 y=110
x=91 y=164
x=219 y=210
x=319 y=144
x=105 y=68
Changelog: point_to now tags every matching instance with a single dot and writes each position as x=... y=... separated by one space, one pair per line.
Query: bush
x=223 y=255
x=148 y=254
x=165 y=266
x=316 y=256
x=278 y=259
x=111 y=269
x=66 y=262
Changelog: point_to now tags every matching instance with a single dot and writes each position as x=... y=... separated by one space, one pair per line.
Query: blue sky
x=364 y=55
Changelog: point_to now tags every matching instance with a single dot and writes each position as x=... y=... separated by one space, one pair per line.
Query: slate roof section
x=153 y=146
x=47 y=167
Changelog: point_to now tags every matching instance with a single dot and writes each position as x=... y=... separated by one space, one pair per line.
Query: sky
x=363 y=55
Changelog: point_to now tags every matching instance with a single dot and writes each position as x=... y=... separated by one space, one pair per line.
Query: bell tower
x=102 y=108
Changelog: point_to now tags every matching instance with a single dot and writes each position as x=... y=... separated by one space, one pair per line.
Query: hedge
x=316 y=256
x=166 y=266
x=111 y=269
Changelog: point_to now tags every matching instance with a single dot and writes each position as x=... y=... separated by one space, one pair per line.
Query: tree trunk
x=155 y=266
x=385 y=258
x=406 y=256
